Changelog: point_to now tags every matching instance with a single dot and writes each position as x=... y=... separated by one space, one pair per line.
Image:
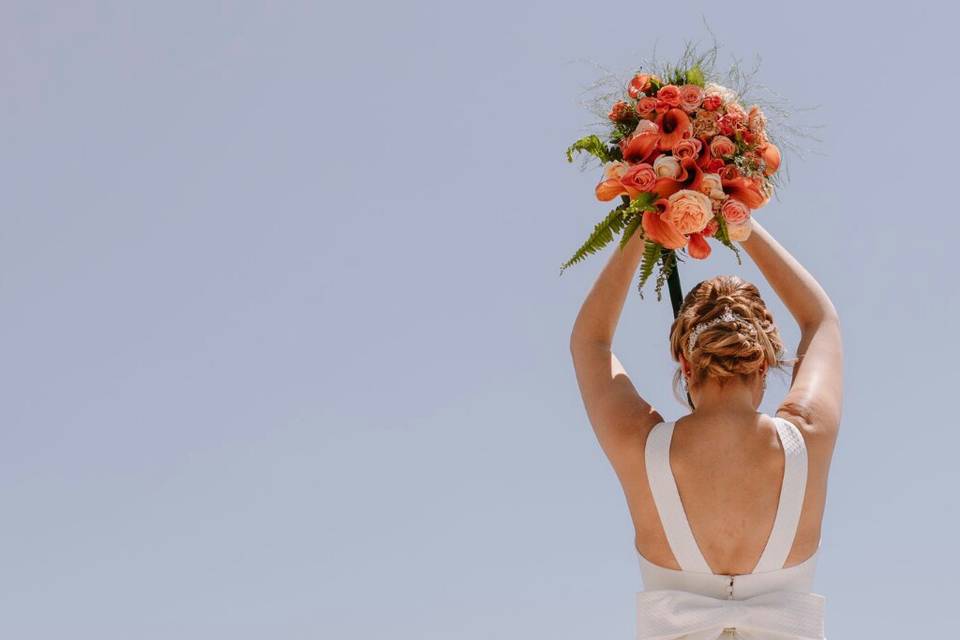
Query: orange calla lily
x=610 y=189
x=656 y=228
x=691 y=177
x=746 y=190
x=674 y=126
x=698 y=247
x=639 y=147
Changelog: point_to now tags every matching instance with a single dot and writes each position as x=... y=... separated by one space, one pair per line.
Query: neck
x=734 y=398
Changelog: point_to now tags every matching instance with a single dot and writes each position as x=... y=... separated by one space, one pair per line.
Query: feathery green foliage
x=593 y=145
x=614 y=222
x=723 y=235
x=651 y=254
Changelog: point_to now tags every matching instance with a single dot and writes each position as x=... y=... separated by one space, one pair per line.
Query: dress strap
x=792 y=492
x=663 y=485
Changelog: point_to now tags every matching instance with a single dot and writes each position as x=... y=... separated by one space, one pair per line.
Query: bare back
x=729 y=477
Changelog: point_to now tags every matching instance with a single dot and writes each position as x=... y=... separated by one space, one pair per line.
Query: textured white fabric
x=672 y=615
x=772 y=602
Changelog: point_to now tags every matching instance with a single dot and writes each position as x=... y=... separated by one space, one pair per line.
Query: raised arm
x=619 y=415
x=816 y=391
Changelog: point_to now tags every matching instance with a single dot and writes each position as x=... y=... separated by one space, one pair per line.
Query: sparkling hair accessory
x=726 y=316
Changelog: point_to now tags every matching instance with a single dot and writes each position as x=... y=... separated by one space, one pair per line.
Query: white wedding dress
x=693 y=603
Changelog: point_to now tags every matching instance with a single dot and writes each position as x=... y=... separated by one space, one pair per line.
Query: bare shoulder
x=820 y=437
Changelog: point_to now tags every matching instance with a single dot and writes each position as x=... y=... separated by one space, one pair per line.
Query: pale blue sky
x=285 y=347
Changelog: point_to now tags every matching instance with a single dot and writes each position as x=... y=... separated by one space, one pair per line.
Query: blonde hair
x=726 y=350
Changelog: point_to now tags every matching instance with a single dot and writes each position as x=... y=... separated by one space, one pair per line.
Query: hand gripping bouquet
x=690 y=163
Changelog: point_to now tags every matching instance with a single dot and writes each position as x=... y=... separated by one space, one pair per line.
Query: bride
x=726 y=502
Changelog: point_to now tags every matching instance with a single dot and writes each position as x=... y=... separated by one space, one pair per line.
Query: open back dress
x=772 y=602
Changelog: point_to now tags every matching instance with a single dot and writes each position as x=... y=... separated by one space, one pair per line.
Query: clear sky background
x=284 y=344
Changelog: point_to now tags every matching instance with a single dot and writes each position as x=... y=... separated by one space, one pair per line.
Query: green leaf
x=602 y=234
x=590 y=144
x=626 y=214
x=651 y=255
x=723 y=235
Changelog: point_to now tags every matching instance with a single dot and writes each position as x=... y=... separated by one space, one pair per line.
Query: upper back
x=728 y=499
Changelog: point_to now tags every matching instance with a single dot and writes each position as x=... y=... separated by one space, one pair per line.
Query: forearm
x=600 y=312
x=801 y=293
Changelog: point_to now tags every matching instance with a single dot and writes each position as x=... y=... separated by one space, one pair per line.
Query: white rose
x=727 y=94
x=615 y=169
x=667 y=166
x=712 y=186
x=740 y=231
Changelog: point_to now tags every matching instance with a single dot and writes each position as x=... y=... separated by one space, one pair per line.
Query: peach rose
x=670 y=94
x=722 y=146
x=687 y=148
x=691 y=96
x=639 y=178
x=646 y=105
x=734 y=211
x=740 y=231
x=712 y=187
x=667 y=166
x=689 y=211
x=639 y=84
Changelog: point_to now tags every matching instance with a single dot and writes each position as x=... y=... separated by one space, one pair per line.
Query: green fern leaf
x=651 y=255
x=593 y=145
x=602 y=234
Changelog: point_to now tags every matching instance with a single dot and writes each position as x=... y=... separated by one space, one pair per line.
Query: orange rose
x=639 y=178
x=620 y=111
x=722 y=146
x=639 y=84
x=646 y=105
x=688 y=147
x=670 y=94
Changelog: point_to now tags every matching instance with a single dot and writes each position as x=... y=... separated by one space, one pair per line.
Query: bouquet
x=688 y=160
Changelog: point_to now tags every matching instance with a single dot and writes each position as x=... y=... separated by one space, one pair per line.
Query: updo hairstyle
x=726 y=350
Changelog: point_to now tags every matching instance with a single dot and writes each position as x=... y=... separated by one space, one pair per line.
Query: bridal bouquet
x=688 y=160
